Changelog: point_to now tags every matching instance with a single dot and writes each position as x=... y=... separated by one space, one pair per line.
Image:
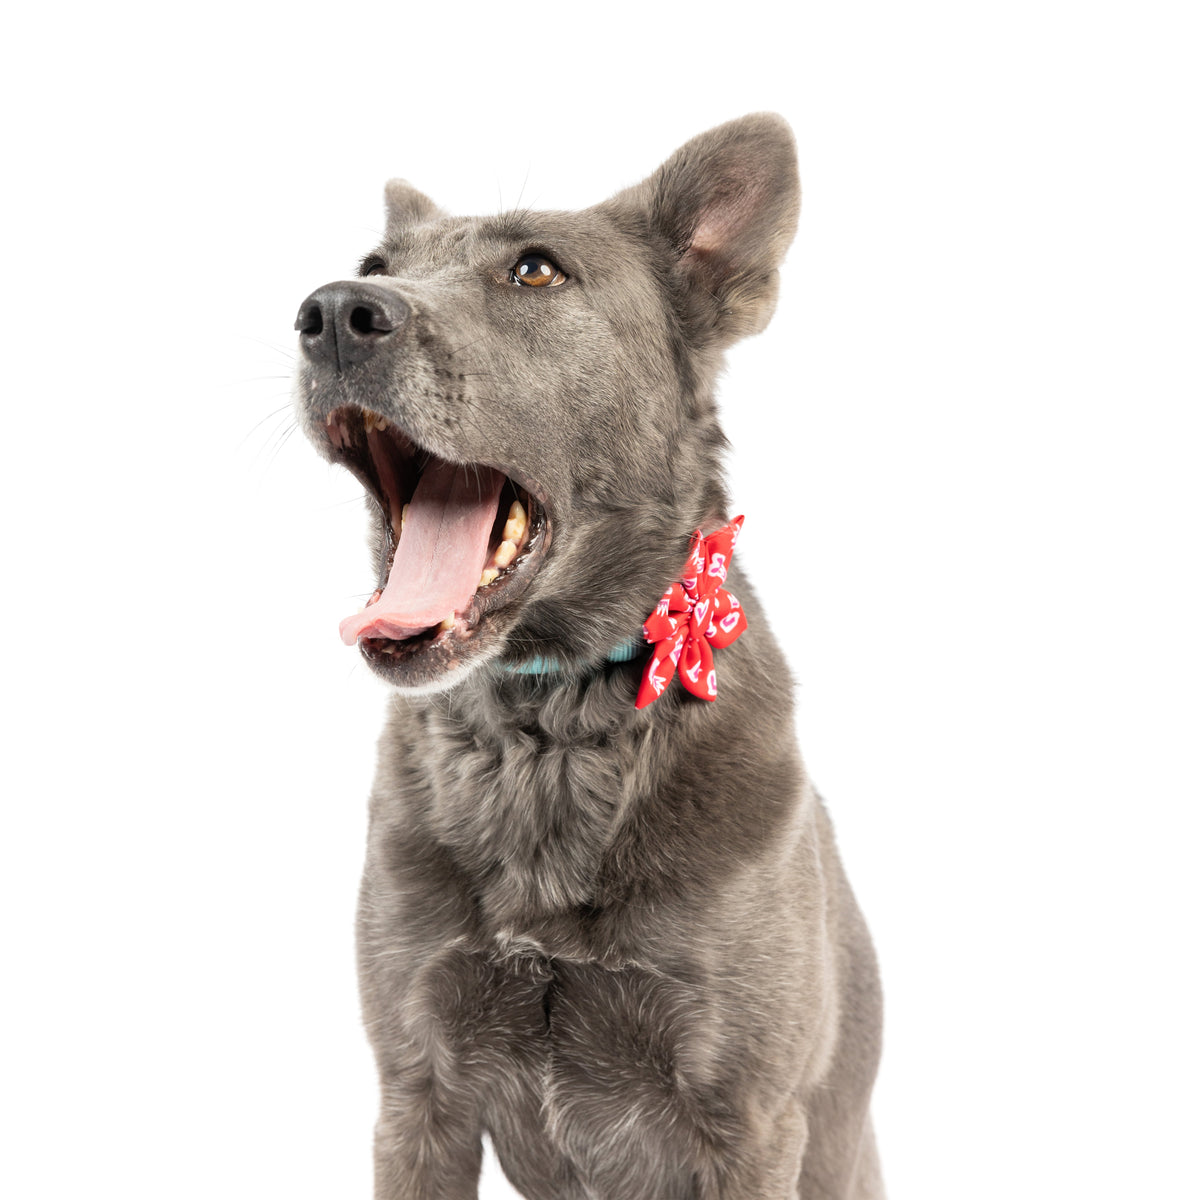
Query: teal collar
x=627 y=651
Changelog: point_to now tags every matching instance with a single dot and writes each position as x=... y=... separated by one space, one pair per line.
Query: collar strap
x=627 y=651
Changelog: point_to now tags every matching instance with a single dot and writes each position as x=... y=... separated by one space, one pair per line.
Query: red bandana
x=694 y=617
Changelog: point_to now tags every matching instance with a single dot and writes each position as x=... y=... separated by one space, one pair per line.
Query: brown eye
x=373 y=266
x=536 y=270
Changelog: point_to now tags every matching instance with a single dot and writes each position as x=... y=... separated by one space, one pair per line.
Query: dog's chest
x=527 y=817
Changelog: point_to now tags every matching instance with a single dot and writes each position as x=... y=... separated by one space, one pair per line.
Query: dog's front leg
x=655 y=1093
x=428 y=1139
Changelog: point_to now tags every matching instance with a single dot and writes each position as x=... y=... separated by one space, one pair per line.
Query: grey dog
x=617 y=940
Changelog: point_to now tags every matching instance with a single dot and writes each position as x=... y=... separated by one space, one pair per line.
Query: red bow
x=694 y=617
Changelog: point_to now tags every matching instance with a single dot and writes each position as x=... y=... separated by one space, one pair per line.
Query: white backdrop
x=966 y=449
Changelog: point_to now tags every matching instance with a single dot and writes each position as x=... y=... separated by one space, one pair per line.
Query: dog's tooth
x=514 y=527
x=505 y=553
x=328 y=416
x=447 y=622
x=403 y=517
x=381 y=423
x=489 y=573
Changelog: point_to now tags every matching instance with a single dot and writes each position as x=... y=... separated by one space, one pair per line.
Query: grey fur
x=620 y=942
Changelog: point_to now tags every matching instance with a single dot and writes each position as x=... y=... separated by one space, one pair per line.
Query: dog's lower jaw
x=439 y=681
x=443 y=657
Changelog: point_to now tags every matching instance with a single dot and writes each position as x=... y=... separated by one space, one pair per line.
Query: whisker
x=528 y=168
x=291 y=355
x=263 y=420
x=467 y=345
x=282 y=426
x=281 y=442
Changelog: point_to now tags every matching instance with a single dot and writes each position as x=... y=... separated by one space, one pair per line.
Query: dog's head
x=527 y=399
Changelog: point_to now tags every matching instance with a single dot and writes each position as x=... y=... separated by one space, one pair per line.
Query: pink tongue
x=441 y=554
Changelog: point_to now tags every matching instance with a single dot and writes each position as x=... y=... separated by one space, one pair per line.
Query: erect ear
x=406 y=206
x=726 y=203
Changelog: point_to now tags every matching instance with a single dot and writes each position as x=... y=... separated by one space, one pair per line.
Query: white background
x=967 y=452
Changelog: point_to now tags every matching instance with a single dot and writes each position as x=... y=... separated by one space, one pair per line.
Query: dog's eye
x=536 y=270
x=373 y=266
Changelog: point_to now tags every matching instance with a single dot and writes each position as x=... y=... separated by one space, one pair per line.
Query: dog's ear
x=406 y=206
x=726 y=203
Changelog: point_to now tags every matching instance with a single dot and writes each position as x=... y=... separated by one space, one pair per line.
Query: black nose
x=344 y=323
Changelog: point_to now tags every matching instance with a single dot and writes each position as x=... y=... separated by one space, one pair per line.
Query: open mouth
x=460 y=542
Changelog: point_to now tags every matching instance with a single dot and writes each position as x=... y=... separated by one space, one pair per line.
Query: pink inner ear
x=726 y=215
x=707 y=237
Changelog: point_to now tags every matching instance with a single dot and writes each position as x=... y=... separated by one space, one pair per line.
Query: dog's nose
x=344 y=323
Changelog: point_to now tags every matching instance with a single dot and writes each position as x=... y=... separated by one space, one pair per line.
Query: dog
x=603 y=919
